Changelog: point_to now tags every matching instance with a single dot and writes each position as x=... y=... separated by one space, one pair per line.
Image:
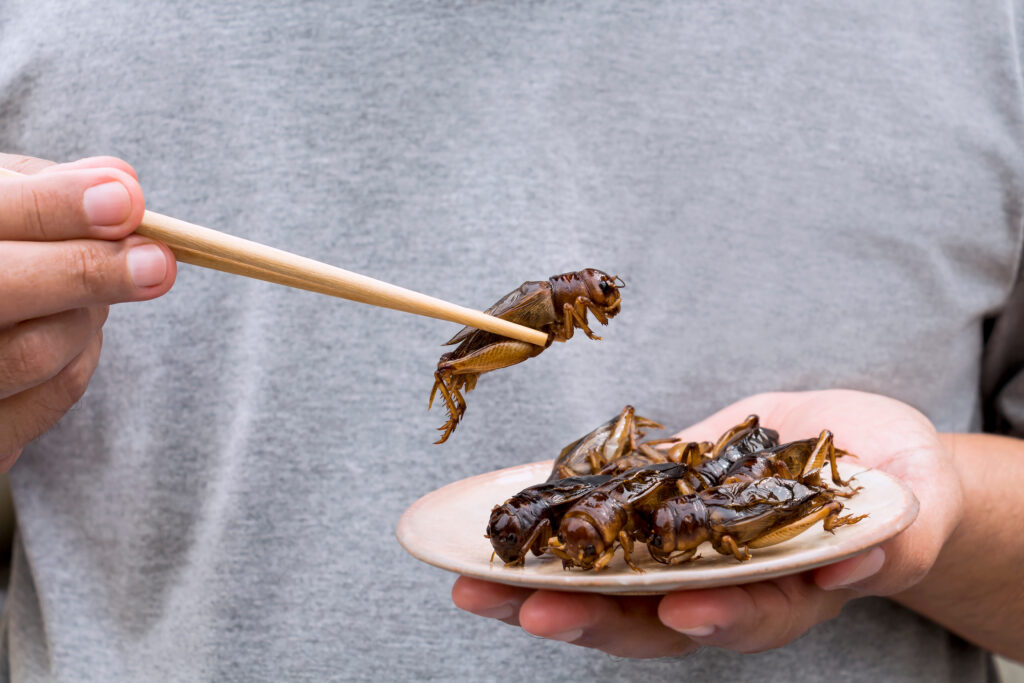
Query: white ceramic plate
x=446 y=527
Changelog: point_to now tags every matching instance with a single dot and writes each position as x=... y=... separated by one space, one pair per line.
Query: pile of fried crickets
x=609 y=490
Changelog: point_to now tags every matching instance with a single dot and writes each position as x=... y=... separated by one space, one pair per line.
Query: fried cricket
x=527 y=520
x=609 y=444
x=740 y=516
x=556 y=306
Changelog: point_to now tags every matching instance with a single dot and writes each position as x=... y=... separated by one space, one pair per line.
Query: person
x=819 y=203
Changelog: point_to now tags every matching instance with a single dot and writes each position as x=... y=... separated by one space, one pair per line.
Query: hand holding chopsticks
x=208 y=248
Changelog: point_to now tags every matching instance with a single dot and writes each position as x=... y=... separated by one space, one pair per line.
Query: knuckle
x=914 y=569
x=71 y=384
x=24 y=164
x=43 y=413
x=27 y=360
x=34 y=206
x=87 y=267
x=40 y=411
x=831 y=610
x=99 y=315
x=8 y=460
x=753 y=641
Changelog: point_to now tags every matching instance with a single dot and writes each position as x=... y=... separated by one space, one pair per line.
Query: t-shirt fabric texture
x=798 y=195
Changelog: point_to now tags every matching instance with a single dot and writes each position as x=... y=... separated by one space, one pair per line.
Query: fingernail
x=567 y=636
x=697 y=631
x=107 y=204
x=147 y=265
x=502 y=611
x=868 y=566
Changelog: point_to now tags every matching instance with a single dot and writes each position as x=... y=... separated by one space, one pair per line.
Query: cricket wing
x=530 y=305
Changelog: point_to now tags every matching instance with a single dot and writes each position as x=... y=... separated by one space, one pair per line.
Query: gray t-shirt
x=799 y=195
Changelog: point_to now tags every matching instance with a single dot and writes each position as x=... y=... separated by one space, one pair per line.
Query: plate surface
x=446 y=527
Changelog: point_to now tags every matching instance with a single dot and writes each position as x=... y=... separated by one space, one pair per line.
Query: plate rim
x=650 y=582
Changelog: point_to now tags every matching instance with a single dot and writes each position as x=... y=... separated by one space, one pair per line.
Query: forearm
x=976 y=587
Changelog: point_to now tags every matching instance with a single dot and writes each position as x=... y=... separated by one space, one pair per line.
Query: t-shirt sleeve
x=1002 y=376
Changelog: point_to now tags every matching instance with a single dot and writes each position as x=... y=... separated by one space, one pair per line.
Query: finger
x=36 y=350
x=102 y=203
x=751 y=618
x=30 y=165
x=24 y=164
x=491 y=600
x=43 y=278
x=92 y=162
x=892 y=567
x=25 y=416
x=623 y=627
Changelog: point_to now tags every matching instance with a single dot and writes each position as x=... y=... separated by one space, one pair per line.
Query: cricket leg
x=465 y=370
x=605 y=558
x=833 y=520
x=829 y=513
x=576 y=316
x=594 y=308
x=727 y=546
x=627 y=549
x=751 y=422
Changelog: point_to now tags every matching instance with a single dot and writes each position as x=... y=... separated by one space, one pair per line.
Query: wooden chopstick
x=221 y=251
x=195 y=258
x=209 y=248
